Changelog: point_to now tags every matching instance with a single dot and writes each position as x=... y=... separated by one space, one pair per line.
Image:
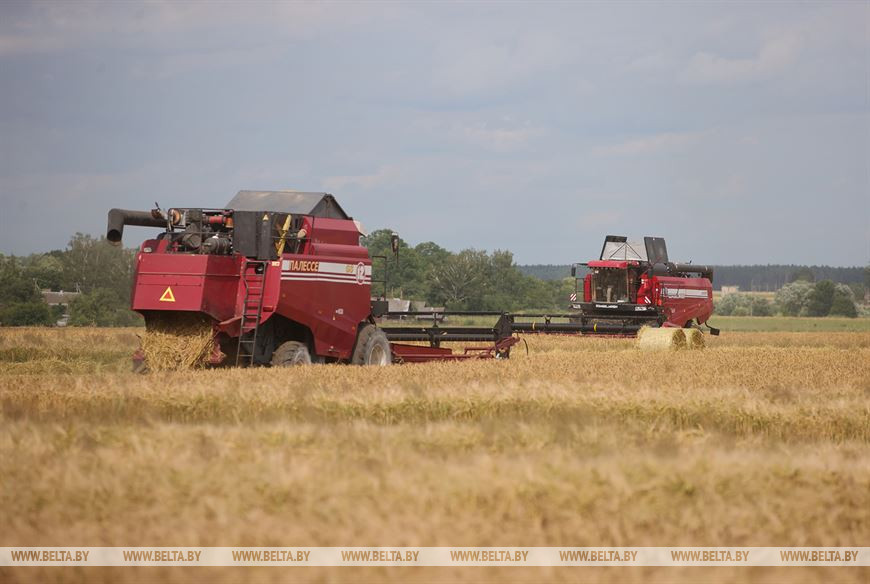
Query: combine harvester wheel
x=372 y=347
x=291 y=353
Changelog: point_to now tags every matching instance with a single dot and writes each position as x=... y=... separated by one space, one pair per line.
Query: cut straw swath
x=177 y=341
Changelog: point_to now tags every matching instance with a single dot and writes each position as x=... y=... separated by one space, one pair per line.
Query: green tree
x=505 y=287
x=559 y=291
x=431 y=253
x=858 y=291
x=459 y=283
x=821 y=298
x=405 y=279
x=101 y=307
x=25 y=314
x=14 y=286
x=46 y=269
x=738 y=304
x=726 y=304
x=93 y=263
x=792 y=299
x=843 y=303
x=21 y=304
x=761 y=306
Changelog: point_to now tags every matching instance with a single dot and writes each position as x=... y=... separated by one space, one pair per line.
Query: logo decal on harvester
x=320 y=271
x=685 y=293
x=168 y=296
x=304 y=266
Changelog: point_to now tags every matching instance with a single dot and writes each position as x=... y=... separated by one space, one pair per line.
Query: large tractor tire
x=372 y=347
x=291 y=353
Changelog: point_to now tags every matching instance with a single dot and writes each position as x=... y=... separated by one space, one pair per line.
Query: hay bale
x=694 y=338
x=177 y=341
x=661 y=339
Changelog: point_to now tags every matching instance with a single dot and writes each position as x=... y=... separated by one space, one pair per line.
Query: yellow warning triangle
x=168 y=296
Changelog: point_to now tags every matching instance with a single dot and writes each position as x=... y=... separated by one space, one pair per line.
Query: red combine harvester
x=283 y=279
x=633 y=285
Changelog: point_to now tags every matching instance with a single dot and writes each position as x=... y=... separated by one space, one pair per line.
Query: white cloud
x=162 y=25
x=652 y=62
x=12 y=44
x=601 y=220
x=775 y=55
x=382 y=176
x=196 y=61
x=471 y=65
x=647 y=144
x=500 y=139
x=486 y=132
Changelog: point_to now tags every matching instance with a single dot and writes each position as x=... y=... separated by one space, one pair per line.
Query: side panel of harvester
x=327 y=287
x=683 y=299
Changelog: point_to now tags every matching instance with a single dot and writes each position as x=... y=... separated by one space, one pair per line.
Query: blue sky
x=740 y=132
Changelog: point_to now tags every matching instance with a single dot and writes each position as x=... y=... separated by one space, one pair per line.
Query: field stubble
x=761 y=439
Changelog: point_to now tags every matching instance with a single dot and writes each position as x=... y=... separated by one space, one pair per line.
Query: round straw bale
x=660 y=339
x=694 y=338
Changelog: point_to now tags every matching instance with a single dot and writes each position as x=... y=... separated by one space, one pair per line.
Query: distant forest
x=749 y=278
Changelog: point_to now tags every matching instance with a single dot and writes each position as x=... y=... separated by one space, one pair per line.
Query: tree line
x=467 y=280
x=100 y=272
x=800 y=298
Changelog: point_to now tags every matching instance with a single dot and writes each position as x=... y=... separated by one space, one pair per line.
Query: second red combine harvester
x=635 y=284
x=282 y=278
x=629 y=286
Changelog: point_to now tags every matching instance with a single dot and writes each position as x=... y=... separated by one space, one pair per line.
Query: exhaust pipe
x=120 y=217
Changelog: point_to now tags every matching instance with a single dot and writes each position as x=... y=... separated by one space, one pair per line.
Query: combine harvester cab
x=280 y=278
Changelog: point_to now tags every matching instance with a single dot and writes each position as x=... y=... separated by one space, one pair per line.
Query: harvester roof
x=293 y=202
x=617 y=247
x=623 y=250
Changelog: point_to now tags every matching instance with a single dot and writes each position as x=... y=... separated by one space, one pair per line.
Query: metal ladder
x=254 y=277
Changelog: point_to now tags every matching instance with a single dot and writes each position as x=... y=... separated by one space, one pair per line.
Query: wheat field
x=762 y=439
